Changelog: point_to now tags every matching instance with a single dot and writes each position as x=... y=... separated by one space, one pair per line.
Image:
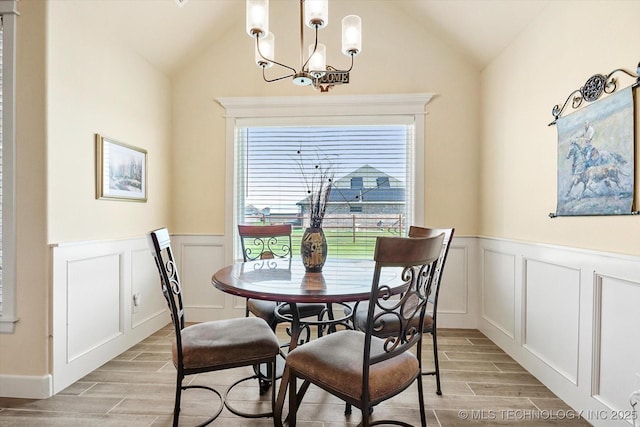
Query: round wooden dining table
x=286 y=280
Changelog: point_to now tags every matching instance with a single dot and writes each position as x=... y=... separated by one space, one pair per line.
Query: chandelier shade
x=317 y=60
x=316 y=13
x=313 y=69
x=258 y=18
x=351 y=35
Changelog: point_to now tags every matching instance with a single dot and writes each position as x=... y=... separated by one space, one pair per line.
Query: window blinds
x=276 y=166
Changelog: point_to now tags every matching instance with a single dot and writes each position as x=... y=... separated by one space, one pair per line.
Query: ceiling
x=171 y=32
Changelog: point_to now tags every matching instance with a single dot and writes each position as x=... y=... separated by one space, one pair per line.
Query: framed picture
x=121 y=171
x=596 y=166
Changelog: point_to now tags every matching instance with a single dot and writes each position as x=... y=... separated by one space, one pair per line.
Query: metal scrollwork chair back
x=265 y=241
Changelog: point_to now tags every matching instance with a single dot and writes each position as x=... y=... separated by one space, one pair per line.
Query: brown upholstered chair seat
x=226 y=343
x=335 y=362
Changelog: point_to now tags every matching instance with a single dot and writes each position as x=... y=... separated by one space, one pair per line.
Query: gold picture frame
x=121 y=171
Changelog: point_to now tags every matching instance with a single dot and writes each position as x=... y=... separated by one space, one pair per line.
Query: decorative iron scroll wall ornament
x=596 y=155
x=593 y=88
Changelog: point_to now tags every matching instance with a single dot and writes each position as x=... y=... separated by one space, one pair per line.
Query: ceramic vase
x=313 y=249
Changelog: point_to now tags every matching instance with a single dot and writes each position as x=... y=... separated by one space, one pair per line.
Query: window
x=383 y=181
x=276 y=166
x=377 y=186
x=8 y=316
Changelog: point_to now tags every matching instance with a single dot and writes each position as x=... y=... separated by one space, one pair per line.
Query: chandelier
x=313 y=70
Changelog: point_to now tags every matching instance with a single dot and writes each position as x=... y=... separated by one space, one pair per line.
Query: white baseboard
x=26 y=386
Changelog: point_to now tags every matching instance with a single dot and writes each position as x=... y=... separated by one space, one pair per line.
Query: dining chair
x=359 y=317
x=263 y=242
x=431 y=317
x=268 y=242
x=210 y=346
x=360 y=367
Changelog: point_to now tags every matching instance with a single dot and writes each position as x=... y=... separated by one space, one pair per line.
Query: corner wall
x=25 y=352
x=72 y=82
x=97 y=84
x=568 y=43
x=563 y=312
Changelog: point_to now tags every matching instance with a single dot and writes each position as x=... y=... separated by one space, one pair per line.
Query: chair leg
x=423 y=416
x=264 y=382
x=293 y=399
x=176 y=406
x=435 y=360
x=273 y=389
x=277 y=412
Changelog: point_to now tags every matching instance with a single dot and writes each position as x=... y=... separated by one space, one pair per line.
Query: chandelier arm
x=351 y=67
x=315 y=47
x=271 y=60
x=264 y=76
x=337 y=71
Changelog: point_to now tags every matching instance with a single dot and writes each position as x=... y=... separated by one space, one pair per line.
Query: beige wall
x=25 y=351
x=568 y=43
x=399 y=55
x=74 y=82
x=96 y=84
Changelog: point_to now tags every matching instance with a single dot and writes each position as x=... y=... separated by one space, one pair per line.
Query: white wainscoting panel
x=617 y=354
x=94 y=310
x=458 y=305
x=145 y=283
x=577 y=314
x=455 y=283
x=198 y=258
x=552 y=314
x=92 y=293
x=498 y=291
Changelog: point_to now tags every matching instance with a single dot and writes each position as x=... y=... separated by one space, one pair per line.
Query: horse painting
x=590 y=172
x=595 y=158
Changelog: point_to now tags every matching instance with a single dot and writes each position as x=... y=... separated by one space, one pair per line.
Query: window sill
x=7 y=325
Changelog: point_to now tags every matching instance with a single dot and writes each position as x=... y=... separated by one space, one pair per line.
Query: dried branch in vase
x=318 y=180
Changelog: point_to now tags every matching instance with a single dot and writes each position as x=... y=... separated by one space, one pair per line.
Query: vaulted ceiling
x=171 y=32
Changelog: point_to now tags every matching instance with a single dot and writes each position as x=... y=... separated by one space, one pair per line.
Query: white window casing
x=8 y=312
x=363 y=110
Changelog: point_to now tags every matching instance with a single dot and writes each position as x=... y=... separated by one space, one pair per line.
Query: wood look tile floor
x=482 y=386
